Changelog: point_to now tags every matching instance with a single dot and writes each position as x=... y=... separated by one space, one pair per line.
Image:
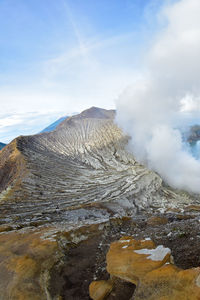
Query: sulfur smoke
x=160 y=107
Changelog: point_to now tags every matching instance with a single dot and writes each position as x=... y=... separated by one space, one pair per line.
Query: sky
x=64 y=56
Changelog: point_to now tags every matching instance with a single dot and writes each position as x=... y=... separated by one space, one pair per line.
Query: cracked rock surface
x=80 y=173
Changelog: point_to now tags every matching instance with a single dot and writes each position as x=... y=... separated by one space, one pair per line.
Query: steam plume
x=156 y=110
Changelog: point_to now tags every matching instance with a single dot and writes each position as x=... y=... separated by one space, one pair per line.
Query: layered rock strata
x=80 y=173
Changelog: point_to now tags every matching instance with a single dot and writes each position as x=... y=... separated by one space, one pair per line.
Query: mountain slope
x=69 y=193
x=82 y=163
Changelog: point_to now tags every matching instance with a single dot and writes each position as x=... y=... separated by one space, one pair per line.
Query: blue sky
x=63 y=56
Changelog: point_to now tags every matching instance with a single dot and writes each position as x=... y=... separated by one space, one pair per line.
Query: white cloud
x=189 y=103
x=27 y=123
x=10 y=121
x=153 y=109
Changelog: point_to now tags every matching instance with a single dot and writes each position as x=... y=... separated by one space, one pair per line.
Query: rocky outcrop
x=151 y=269
x=130 y=259
x=169 y=283
x=25 y=260
x=12 y=169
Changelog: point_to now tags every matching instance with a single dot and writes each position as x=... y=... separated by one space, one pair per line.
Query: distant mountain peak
x=96 y=112
x=53 y=126
x=2 y=145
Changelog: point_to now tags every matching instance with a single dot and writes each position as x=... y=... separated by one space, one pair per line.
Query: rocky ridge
x=67 y=174
x=73 y=191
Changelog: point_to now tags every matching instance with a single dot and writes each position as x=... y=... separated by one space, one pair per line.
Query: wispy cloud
x=27 y=123
x=10 y=121
x=69 y=15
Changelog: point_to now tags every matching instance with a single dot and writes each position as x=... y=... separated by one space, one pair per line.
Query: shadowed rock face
x=82 y=165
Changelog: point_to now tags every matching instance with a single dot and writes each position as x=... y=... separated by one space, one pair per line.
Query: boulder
x=130 y=259
x=100 y=289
